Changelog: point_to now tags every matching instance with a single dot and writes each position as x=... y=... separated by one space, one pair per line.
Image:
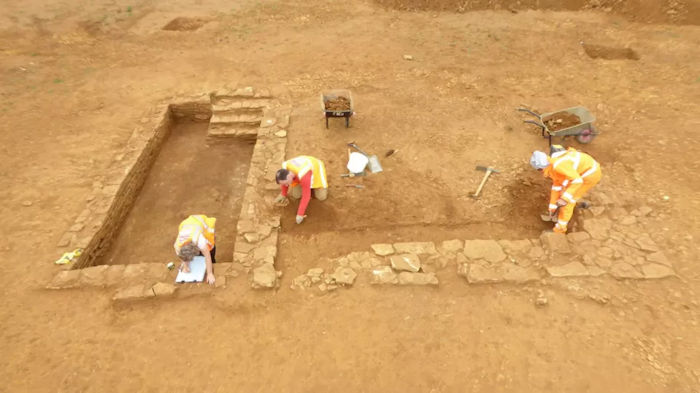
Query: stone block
x=555 y=243
x=405 y=262
x=165 y=289
x=578 y=237
x=571 y=269
x=451 y=246
x=301 y=282
x=94 y=276
x=645 y=243
x=595 y=271
x=344 y=275
x=264 y=276
x=622 y=270
x=251 y=237
x=315 y=272
x=415 y=248
x=371 y=262
x=134 y=292
x=658 y=257
x=488 y=250
x=408 y=278
x=598 y=228
x=65 y=279
x=265 y=253
x=477 y=274
x=247 y=91
x=655 y=270
x=516 y=246
x=383 y=275
x=383 y=249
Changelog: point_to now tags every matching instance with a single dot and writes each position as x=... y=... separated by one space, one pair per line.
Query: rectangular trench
x=190 y=175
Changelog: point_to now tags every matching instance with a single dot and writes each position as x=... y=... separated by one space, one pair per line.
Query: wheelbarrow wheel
x=586 y=136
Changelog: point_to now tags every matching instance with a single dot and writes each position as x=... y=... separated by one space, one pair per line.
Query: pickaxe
x=488 y=171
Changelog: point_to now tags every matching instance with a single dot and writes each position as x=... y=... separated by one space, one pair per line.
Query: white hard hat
x=357 y=162
x=539 y=160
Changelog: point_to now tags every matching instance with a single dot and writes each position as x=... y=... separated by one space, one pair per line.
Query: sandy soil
x=75 y=80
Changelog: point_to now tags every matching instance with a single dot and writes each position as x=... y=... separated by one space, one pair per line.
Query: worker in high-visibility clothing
x=196 y=236
x=573 y=173
x=303 y=174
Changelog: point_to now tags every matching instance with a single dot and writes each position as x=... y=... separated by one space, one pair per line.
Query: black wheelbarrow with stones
x=576 y=121
x=337 y=103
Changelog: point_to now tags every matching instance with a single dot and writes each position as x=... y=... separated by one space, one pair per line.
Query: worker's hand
x=281 y=200
x=185 y=267
x=300 y=219
x=562 y=202
x=211 y=279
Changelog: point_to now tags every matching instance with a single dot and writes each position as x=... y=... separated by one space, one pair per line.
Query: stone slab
x=488 y=250
x=383 y=275
x=415 y=248
x=383 y=249
x=405 y=262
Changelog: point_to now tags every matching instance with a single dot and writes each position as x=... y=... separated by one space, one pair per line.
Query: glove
x=562 y=202
x=300 y=219
x=281 y=200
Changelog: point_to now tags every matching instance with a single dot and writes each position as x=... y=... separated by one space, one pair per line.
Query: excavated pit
x=180 y=171
x=191 y=175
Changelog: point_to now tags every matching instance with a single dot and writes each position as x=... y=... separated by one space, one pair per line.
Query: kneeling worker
x=302 y=174
x=573 y=173
x=196 y=237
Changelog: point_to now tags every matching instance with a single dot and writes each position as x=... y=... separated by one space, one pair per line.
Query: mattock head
x=487 y=169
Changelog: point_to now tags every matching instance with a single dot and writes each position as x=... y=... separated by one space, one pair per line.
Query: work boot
x=583 y=204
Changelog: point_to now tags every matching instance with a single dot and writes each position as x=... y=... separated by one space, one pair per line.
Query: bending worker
x=196 y=237
x=573 y=173
x=302 y=174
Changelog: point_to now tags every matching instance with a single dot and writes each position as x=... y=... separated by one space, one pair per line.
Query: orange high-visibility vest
x=301 y=165
x=568 y=171
x=194 y=226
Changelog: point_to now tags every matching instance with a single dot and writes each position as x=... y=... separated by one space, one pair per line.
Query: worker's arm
x=554 y=196
x=284 y=189
x=207 y=257
x=305 y=184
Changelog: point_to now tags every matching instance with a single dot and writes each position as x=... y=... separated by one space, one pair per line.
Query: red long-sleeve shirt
x=305 y=183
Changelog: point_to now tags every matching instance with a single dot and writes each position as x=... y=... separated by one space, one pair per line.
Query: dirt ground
x=75 y=79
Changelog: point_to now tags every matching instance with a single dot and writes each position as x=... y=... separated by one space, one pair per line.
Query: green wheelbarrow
x=583 y=130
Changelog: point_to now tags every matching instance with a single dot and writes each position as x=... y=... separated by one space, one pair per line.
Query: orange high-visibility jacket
x=568 y=171
x=301 y=165
x=194 y=226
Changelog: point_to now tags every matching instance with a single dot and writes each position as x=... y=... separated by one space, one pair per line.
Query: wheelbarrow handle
x=535 y=123
x=537 y=115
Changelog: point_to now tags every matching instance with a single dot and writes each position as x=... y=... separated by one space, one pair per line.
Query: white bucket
x=357 y=162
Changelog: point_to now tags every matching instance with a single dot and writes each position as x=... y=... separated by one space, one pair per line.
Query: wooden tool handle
x=478 y=190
